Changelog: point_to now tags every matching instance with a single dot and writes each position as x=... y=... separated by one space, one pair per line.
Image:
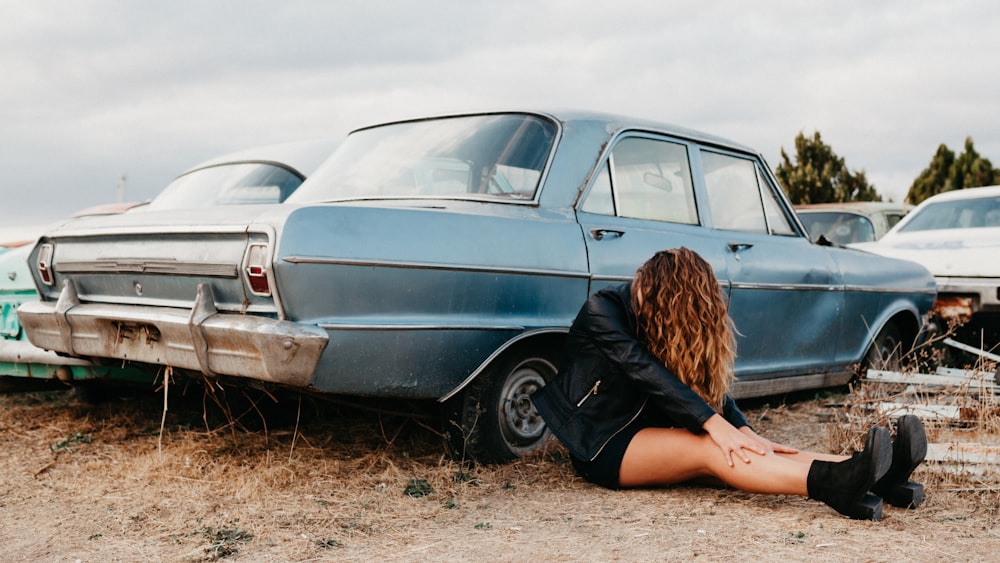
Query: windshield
x=956 y=214
x=841 y=228
x=227 y=184
x=476 y=157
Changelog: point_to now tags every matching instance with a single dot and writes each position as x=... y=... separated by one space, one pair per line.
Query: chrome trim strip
x=173 y=303
x=865 y=289
x=496 y=353
x=779 y=385
x=612 y=279
x=148 y=229
x=154 y=267
x=332 y=326
x=430 y=266
x=622 y=279
x=786 y=286
x=816 y=287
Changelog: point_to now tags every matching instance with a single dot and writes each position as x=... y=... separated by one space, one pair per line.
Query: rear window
x=956 y=214
x=491 y=157
x=227 y=184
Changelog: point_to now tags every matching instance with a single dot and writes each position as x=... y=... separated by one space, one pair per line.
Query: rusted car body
x=445 y=258
x=260 y=175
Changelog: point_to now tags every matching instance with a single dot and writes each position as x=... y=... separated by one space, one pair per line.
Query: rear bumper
x=201 y=339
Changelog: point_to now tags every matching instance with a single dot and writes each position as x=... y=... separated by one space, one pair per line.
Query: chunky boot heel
x=844 y=485
x=868 y=508
x=906 y=495
x=908 y=451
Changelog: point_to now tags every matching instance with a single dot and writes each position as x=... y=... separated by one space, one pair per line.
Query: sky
x=97 y=90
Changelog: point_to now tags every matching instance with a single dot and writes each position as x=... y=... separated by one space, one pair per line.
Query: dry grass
x=978 y=423
x=329 y=481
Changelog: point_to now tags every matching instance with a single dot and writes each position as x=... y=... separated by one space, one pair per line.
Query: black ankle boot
x=908 y=451
x=844 y=485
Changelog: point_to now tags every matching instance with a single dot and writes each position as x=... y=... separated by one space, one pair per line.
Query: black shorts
x=604 y=469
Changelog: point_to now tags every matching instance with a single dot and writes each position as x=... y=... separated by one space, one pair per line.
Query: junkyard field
x=119 y=481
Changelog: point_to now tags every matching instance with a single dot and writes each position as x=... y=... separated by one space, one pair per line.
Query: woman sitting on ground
x=643 y=401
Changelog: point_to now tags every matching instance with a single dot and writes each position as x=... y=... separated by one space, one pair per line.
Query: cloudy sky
x=95 y=90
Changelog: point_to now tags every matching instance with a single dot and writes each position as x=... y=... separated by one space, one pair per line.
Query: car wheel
x=886 y=351
x=496 y=421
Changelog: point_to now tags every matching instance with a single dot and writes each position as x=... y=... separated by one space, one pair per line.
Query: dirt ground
x=122 y=481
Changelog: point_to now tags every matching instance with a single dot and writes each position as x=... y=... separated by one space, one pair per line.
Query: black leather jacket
x=610 y=379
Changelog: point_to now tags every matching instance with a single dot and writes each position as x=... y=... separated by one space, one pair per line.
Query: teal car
x=444 y=259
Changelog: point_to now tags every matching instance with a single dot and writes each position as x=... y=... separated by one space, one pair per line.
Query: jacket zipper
x=591 y=393
x=631 y=420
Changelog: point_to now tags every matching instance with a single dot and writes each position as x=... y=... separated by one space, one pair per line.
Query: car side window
x=733 y=193
x=600 y=200
x=777 y=220
x=740 y=198
x=645 y=179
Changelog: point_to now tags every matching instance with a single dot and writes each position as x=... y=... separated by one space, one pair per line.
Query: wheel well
x=553 y=340
x=909 y=328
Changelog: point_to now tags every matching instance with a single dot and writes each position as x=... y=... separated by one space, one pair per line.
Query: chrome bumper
x=201 y=339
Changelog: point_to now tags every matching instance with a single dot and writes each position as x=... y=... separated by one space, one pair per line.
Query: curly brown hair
x=682 y=319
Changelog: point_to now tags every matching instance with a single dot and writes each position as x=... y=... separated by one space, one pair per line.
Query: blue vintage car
x=259 y=175
x=445 y=258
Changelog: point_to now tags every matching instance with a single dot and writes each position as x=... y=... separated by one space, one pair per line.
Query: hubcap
x=520 y=423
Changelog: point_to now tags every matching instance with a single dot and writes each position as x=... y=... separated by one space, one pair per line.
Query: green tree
x=947 y=172
x=820 y=176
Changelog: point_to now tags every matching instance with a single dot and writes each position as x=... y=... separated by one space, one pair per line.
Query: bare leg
x=665 y=456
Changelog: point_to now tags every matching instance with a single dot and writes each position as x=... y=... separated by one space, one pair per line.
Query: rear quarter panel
x=416 y=298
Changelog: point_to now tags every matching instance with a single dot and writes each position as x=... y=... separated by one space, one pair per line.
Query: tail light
x=44 y=263
x=257 y=269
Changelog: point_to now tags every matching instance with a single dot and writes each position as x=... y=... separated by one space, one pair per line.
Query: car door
x=642 y=200
x=786 y=295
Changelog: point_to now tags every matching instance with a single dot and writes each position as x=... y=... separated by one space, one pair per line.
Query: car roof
x=302 y=157
x=610 y=122
x=966 y=193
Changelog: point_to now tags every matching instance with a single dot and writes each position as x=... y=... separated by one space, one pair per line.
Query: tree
x=820 y=176
x=947 y=172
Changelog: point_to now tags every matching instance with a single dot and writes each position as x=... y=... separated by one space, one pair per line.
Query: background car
x=259 y=175
x=852 y=222
x=956 y=235
x=445 y=258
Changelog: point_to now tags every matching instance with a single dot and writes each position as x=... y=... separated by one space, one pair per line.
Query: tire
x=494 y=421
x=886 y=351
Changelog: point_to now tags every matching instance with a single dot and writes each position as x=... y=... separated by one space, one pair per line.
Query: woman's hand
x=732 y=441
x=769 y=445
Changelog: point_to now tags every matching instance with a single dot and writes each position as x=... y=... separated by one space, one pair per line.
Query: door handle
x=599 y=234
x=737 y=247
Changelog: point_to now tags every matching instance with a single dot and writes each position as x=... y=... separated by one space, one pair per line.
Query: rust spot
x=953 y=308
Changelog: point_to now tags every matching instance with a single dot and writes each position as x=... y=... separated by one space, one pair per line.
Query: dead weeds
x=279 y=478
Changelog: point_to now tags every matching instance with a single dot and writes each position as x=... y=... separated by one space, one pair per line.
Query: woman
x=644 y=402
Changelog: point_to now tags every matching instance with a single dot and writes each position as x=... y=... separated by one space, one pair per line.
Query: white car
x=955 y=235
